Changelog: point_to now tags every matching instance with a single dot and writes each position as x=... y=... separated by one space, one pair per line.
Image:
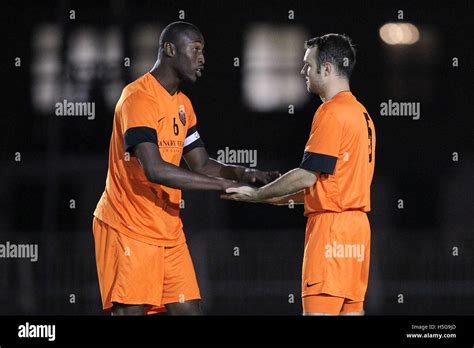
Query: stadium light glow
x=399 y=33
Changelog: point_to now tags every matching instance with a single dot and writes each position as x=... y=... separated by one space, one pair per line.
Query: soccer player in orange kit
x=143 y=261
x=333 y=181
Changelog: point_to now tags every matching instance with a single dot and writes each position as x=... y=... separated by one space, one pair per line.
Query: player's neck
x=166 y=77
x=336 y=88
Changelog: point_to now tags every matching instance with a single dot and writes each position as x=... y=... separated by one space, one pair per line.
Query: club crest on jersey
x=182 y=117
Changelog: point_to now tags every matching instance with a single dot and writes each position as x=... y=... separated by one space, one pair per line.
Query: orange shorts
x=328 y=304
x=133 y=272
x=337 y=255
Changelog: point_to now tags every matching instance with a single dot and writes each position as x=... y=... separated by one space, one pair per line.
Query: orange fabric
x=130 y=203
x=327 y=304
x=133 y=272
x=337 y=255
x=340 y=130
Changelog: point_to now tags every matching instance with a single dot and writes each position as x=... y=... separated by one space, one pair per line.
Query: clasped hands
x=248 y=193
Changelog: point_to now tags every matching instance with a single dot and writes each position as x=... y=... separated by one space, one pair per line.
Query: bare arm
x=290 y=183
x=199 y=161
x=164 y=173
x=296 y=198
x=293 y=181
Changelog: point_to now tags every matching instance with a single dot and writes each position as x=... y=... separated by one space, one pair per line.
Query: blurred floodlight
x=399 y=33
x=145 y=43
x=112 y=46
x=273 y=58
x=47 y=37
x=85 y=48
x=46 y=66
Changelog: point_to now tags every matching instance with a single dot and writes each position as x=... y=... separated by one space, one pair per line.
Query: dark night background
x=64 y=158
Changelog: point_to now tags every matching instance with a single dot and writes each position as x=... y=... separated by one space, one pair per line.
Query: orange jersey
x=131 y=204
x=341 y=147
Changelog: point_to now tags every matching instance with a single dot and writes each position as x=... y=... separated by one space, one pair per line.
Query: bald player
x=143 y=261
x=333 y=181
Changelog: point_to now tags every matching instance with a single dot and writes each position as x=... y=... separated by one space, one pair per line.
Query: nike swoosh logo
x=161 y=118
x=308 y=285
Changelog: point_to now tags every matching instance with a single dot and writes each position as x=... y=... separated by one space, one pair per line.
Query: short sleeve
x=138 y=121
x=322 y=149
x=193 y=139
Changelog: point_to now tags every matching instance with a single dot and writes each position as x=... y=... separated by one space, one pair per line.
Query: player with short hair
x=333 y=181
x=143 y=261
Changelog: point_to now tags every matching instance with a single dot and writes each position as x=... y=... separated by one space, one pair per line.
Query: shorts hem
x=188 y=298
x=131 y=302
x=335 y=294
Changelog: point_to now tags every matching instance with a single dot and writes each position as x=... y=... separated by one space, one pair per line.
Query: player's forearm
x=173 y=176
x=295 y=198
x=222 y=170
x=291 y=182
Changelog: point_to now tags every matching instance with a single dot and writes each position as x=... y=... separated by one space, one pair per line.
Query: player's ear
x=169 y=49
x=327 y=69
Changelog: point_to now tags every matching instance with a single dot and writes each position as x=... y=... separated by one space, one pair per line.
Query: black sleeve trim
x=136 y=135
x=193 y=145
x=192 y=133
x=317 y=162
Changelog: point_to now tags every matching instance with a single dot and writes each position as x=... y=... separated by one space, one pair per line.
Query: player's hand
x=255 y=176
x=242 y=193
x=226 y=184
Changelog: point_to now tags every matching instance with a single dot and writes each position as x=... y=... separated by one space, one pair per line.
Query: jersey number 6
x=175 y=127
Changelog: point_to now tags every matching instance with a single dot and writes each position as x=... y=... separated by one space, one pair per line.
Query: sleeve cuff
x=136 y=135
x=193 y=140
x=317 y=162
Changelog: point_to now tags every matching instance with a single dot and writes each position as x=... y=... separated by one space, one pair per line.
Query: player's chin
x=192 y=77
x=313 y=90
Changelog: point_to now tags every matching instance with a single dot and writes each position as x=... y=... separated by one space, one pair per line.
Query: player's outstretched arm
x=164 y=173
x=295 y=198
x=199 y=161
x=292 y=182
